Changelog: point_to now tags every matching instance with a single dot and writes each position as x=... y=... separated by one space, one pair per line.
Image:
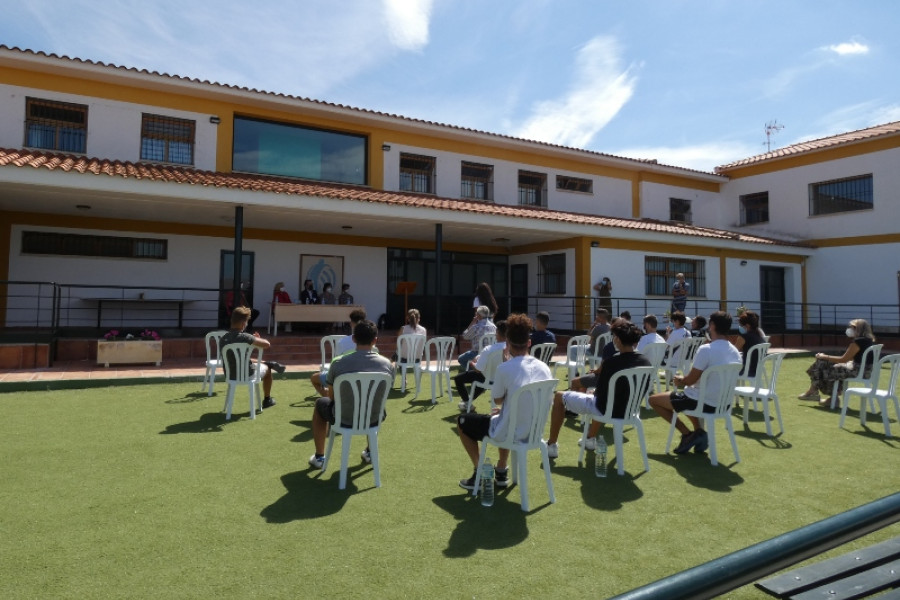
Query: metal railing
x=745 y=566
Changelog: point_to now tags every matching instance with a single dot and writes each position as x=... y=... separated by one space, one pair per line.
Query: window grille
x=167 y=139
x=55 y=125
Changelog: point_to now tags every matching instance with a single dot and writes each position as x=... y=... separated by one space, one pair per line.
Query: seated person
x=477 y=366
x=829 y=371
x=481 y=324
x=600 y=325
x=365 y=359
x=625 y=315
x=345 y=297
x=749 y=335
x=625 y=336
x=650 y=336
x=541 y=335
x=519 y=370
x=676 y=332
x=344 y=345
x=698 y=326
x=281 y=296
x=328 y=296
x=718 y=351
x=240 y=317
x=229 y=304
x=309 y=294
x=411 y=327
x=589 y=380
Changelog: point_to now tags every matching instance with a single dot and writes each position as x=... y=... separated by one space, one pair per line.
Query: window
x=679 y=210
x=532 y=188
x=755 y=208
x=167 y=139
x=55 y=125
x=574 y=184
x=296 y=151
x=552 y=274
x=417 y=173
x=477 y=181
x=73 y=244
x=841 y=195
x=659 y=275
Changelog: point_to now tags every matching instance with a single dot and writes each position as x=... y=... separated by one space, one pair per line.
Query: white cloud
x=853 y=47
x=600 y=88
x=407 y=22
x=702 y=157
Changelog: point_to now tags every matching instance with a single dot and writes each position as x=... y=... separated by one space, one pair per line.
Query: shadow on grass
x=419 y=406
x=192 y=397
x=306 y=434
x=207 y=423
x=699 y=472
x=480 y=528
x=309 y=496
x=603 y=493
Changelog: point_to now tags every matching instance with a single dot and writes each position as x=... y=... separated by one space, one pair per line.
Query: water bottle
x=487 y=483
x=600 y=457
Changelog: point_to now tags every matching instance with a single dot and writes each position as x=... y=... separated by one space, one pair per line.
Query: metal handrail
x=745 y=566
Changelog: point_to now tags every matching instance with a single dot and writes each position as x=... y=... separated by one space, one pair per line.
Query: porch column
x=439 y=247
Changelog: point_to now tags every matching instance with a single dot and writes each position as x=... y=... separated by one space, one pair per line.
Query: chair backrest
x=638 y=379
x=236 y=358
x=581 y=344
x=213 y=341
x=328 y=346
x=490 y=367
x=486 y=340
x=368 y=393
x=870 y=357
x=767 y=372
x=439 y=353
x=754 y=357
x=544 y=352
x=526 y=413
x=717 y=385
x=655 y=353
x=681 y=353
x=600 y=343
x=893 y=361
x=410 y=347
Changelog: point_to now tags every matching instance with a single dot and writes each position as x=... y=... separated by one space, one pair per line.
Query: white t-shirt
x=677 y=334
x=344 y=345
x=510 y=376
x=649 y=338
x=719 y=352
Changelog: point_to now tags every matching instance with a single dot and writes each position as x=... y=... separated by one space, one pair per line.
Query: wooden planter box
x=129 y=352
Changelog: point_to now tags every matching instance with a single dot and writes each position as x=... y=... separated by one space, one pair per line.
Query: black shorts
x=474 y=425
x=681 y=403
x=325 y=408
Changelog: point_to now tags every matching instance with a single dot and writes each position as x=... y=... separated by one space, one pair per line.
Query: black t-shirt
x=611 y=366
x=751 y=338
x=863 y=343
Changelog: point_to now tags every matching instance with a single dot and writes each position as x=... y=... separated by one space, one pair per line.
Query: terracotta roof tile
x=281 y=185
x=817 y=144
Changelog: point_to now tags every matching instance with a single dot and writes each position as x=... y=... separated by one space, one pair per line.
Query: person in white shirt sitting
x=650 y=336
x=477 y=366
x=344 y=345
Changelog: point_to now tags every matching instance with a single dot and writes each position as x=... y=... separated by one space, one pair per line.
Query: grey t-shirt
x=359 y=361
x=235 y=336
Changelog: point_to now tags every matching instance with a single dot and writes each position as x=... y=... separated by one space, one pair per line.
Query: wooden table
x=309 y=313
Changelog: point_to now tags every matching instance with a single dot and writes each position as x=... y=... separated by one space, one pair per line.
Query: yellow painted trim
x=815 y=157
x=887 y=238
x=566 y=244
x=636 y=196
x=688 y=249
x=803 y=292
x=677 y=181
x=583 y=316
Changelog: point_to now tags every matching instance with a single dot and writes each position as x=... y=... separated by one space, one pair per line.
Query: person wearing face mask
x=829 y=370
x=328 y=296
x=749 y=335
x=281 y=296
x=309 y=294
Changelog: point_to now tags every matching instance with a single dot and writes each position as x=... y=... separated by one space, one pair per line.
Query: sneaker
x=268 y=402
x=501 y=478
x=366 y=456
x=463 y=406
x=687 y=442
x=275 y=366
x=316 y=461
x=468 y=484
x=553 y=450
x=701 y=443
x=814 y=397
x=591 y=443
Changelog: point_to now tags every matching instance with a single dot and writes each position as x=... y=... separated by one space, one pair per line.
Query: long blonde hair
x=863 y=329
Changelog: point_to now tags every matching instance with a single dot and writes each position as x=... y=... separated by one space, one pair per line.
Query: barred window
x=417 y=173
x=74 y=244
x=477 y=181
x=55 y=125
x=552 y=274
x=680 y=210
x=841 y=195
x=659 y=275
x=532 y=188
x=755 y=208
x=574 y=184
x=167 y=139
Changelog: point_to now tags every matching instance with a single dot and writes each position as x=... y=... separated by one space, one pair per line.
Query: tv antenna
x=772 y=127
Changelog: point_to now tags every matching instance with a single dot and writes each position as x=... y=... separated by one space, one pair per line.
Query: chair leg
x=587 y=425
x=417 y=375
x=671 y=431
x=835 y=389
x=620 y=455
x=522 y=465
x=711 y=432
x=345 y=457
x=449 y=386
x=328 y=448
x=373 y=453
x=766 y=417
x=730 y=429
x=643 y=442
x=229 y=401
x=774 y=398
x=479 y=468
x=545 y=459
x=863 y=409
x=843 y=413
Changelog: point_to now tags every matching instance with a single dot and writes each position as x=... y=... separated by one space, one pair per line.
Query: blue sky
x=689 y=83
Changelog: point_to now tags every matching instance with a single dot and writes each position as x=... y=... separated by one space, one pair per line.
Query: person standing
x=680 y=291
x=604 y=290
x=485 y=297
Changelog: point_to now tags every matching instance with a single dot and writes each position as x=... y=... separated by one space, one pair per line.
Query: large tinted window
x=295 y=151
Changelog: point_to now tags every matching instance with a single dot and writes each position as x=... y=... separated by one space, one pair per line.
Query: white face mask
x=281 y=289
x=850 y=332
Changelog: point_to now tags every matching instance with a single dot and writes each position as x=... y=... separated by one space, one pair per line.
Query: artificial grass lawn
x=145 y=491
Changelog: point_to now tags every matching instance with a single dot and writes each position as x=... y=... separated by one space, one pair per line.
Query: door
x=226 y=280
x=518 y=289
x=772 y=297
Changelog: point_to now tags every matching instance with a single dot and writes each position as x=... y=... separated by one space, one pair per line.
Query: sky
x=692 y=84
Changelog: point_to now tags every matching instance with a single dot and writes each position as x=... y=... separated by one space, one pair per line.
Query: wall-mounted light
x=215 y=120
x=386 y=147
x=595 y=244
x=346 y=227
x=83 y=206
x=743 y=263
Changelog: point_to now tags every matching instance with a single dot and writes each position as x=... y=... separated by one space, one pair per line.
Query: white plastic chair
x=486 y=340
x=213 y=359
x=870 y=357
x=438 y=358
x=726 y=378
x=409 y=356
x=681 y=358
x=328 y=348
x=368 y=392
x=639 y=383
x=655 y=353
x=873 y=394
x=595 y=356
x=246 y=374
x=544 y=352
x=490 y=368
x=533 y=402
x=576 y=353
x=762 y=388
